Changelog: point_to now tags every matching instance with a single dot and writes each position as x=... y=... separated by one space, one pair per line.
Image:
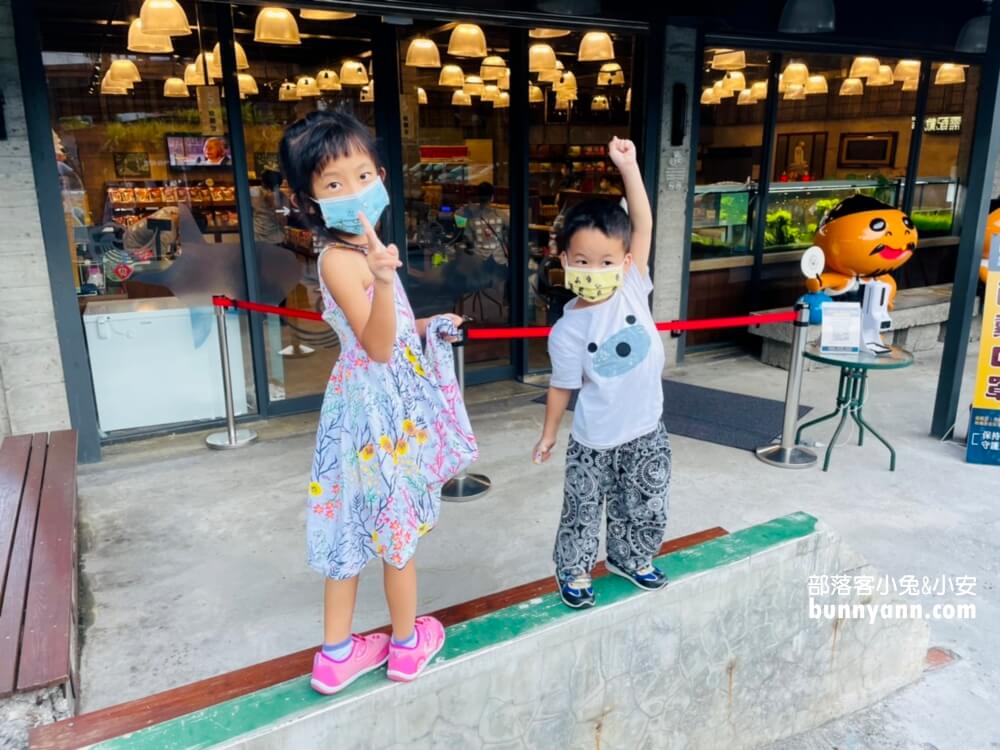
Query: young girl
x=392 y=428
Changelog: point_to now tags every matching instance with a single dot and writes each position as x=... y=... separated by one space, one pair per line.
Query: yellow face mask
x=594 y=284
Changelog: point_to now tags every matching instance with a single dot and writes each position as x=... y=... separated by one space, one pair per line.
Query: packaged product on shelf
x=169 y=195
x=156 y=195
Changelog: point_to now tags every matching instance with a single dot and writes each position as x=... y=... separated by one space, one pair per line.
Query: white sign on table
x=841 y=331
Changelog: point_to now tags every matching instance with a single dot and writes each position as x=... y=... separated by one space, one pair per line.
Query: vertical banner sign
x=984 y=424
x=210 y=110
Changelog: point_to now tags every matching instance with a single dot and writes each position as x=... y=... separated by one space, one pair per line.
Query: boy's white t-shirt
x=614 y=355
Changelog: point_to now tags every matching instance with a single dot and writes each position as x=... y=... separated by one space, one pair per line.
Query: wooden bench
x=38 y=634
x=917 y=325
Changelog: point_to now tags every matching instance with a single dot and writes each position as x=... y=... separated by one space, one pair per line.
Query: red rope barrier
x=534 y=332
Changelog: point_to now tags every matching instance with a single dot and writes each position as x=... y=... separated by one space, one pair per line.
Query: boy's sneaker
x=406 y=663
x=369 y=652
x=649 y=578
x=578 y=592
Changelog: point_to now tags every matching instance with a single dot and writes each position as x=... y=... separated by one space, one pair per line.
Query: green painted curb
x=249 y=713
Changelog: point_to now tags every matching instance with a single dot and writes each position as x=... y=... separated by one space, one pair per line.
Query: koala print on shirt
x=622 y=352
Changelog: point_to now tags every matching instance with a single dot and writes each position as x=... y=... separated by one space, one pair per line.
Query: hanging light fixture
x=852 y=87
x=758 y=90
x=709 y=96
x=603 y=79
x=248 y=84
x=906 y=69
x=194 y=75
x=562 y=104
x=782 y=84
x=552 y=76
x=473 y=86
x=548 y=33
x=467 y=40
x=165 y=17
x=328 y=80
x=503 y=101
x=353 y=73
x=796 y=74
x=306 y=86
x=493 y=68
x=864 y=67
x=535 y=94
x=113 y=88
x=628 y=100
x=203 y=62
x=325 y=15
x=541 y=57
x=423 y=53
x=600 y=103
x=807 y=17
x=734 y=81
x=451 y=75
x=729 y=60
x=745 y=97
x=595 y=47
x=421 y=95
x=175 y=88
x=491 y=92
x=461 y=99
x=972 y=37
x=368 y=92
x=949 y=74
x=124 y=71
x=610 y=67
x=911 y=84
x=215 y=60
x=882 y=78
x=817 y=85
x=721 y=92
x=288 y=92
x=151 y=44
x=567 y=82
x=276 y=26
x=504 y=80
x=796 y=92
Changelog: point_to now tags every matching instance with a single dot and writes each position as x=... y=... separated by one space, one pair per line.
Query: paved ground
x=193 y=562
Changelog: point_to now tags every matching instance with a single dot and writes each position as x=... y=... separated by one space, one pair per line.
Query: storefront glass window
x=330 y=67
x=944 y=152
x=148 y=191
x=455 y=105
x=573 y=115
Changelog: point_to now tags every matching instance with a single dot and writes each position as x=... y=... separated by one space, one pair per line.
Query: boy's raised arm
x=623 y=155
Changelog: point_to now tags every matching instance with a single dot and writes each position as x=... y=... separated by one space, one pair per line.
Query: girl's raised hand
x=622 y=153
x=383 y=261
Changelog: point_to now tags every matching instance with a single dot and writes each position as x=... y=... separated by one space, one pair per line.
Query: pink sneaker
x=406 y=664
x=370 y=652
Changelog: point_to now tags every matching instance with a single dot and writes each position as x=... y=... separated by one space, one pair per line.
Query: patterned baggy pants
x=634 y=480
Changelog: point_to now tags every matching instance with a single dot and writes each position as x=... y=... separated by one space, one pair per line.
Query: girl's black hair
x=607 y=217
x=310 y=143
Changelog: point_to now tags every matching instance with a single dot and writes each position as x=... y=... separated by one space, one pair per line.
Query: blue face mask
x=341 y=213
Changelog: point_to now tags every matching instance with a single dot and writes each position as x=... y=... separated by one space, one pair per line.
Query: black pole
x=517 y=157
x=764 y=183
x=917 y=139
x=389 y=130
x=69 y=326
x=244 y=209
x=985 y=146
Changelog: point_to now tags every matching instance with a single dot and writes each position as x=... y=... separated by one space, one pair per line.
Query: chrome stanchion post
x=787 y=454
x=232 y=437
x=465 y=486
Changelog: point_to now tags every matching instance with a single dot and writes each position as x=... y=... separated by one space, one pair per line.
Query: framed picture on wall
x=131 y=164
x=264 y=161
x=800 y=156
x=867 y=150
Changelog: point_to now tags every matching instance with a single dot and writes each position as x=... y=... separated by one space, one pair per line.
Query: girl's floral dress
x=390 y=435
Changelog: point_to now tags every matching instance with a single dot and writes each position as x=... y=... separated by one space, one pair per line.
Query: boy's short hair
x=607 y=217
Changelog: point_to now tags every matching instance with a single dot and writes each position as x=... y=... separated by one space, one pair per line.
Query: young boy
x=606 y=345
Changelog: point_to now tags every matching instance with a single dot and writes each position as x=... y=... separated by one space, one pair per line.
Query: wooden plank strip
x=15 y=592
x=14 y=453
x=48 y=612
x=114 y=721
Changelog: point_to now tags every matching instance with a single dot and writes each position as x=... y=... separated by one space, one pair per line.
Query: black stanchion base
x=466 y=487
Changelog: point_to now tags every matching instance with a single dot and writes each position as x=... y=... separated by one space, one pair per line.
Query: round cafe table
x=853 y=390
